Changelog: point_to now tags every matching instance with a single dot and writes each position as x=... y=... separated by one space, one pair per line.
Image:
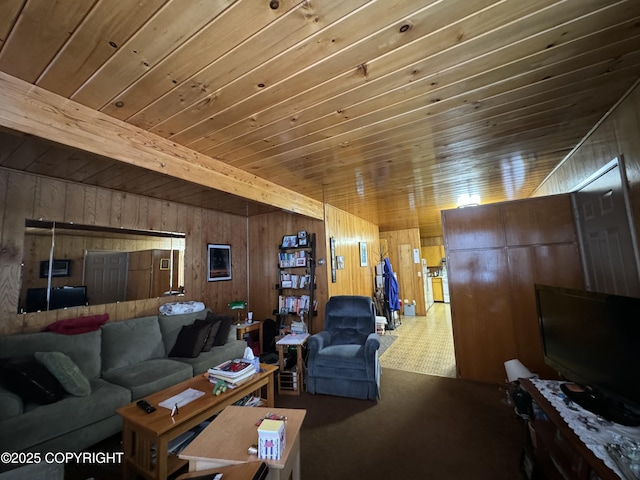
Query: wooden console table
x=145 y=437
x=556 y=449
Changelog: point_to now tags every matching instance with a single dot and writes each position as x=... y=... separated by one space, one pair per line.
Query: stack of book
x=233 y=372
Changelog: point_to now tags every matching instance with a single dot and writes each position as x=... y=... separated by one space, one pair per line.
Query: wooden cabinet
x=433 y=255
x=495 y=254
x=438 y=295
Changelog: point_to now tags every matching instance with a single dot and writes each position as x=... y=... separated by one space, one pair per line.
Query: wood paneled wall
x=25 y=196
x=265 y=234
x=348 y=231
x=617 y=134
x=400 y=245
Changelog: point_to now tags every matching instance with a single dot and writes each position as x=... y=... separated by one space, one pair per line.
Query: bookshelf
x=296 y=282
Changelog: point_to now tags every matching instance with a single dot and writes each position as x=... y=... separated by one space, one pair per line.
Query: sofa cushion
x=30 y=380
x=130 y=342
x=148 y=377
x=341 y=357
x=67 y=372
x=214 y=326
x=223 y=332
x=83 y=349
x=38 y=425
x=170 y=325
x=191 y=340
x=11 y=404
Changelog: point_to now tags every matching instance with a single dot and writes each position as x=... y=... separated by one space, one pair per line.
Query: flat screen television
x=61 y=297
x=593 y=340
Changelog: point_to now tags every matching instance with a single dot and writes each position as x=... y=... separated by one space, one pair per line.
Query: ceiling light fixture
x=466 y=200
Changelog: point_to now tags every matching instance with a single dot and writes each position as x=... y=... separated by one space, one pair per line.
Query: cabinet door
x=473 y=227
x=438 y=296
x=433 y=255
x=539 y=220
x=481 y=313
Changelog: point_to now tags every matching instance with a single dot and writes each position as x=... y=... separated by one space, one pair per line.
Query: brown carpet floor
x=423 y=427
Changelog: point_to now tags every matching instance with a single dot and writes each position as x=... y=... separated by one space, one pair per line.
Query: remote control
x=146 y=406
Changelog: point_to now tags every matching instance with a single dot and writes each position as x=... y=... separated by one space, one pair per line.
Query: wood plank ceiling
x=388 y=109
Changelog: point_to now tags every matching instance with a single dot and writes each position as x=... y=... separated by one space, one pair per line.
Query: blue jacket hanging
x=390 y=287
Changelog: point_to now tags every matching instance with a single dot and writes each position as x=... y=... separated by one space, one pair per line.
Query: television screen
x=593 y=339
x=61 y=297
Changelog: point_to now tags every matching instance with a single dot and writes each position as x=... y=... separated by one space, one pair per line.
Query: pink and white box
x=272 y=439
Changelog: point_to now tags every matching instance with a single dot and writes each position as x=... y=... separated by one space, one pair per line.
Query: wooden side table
x=289 y=382
x=226 y=440
x=255 y=326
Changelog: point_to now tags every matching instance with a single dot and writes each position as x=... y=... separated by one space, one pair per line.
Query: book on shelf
x=232 y=368
x=293 y=259
x=293 y=305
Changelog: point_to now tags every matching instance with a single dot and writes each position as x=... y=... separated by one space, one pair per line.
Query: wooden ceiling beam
x=32 y=110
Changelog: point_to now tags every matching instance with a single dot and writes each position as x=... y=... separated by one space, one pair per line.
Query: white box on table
x=272 y=439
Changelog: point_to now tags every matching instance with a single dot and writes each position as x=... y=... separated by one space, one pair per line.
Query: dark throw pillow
x=223 y=331
x=214 y=325
x=30 y=380
x=66 y=371
x=191 y=340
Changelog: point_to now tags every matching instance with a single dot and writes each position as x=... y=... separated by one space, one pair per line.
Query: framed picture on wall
x=218 y=262
x=60 y=268
x=363 y=254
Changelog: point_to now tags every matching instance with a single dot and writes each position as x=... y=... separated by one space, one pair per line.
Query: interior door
x=105 y=275
x=604 y=228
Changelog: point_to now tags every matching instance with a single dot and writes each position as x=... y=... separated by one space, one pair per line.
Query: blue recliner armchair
x=343 y=358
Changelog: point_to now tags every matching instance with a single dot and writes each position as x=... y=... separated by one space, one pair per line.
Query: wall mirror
x=67 y=265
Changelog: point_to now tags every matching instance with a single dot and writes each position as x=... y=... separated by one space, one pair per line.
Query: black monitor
x=593 y=340
x=61 y=297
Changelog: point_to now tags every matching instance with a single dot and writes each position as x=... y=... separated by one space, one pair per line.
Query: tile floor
x=424 y=344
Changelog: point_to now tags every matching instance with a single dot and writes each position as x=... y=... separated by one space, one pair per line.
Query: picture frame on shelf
x=289 y=241
x=302 y=238
x=301 y=261
x=218 y=262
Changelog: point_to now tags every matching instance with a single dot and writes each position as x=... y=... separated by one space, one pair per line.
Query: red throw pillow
x=75 y=326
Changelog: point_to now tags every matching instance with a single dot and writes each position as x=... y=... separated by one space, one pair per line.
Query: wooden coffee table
x=226 y=440
x=145 y=437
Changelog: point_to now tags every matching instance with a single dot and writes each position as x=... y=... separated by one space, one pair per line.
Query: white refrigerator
x=428 y=285
x=445 y=285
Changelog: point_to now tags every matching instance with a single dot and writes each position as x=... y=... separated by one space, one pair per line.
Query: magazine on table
x=232 y=368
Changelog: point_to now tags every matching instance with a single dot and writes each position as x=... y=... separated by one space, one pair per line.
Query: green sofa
x=123 y=362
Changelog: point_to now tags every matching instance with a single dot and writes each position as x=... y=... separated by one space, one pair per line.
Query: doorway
x=605 y=232
x=105 y=275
